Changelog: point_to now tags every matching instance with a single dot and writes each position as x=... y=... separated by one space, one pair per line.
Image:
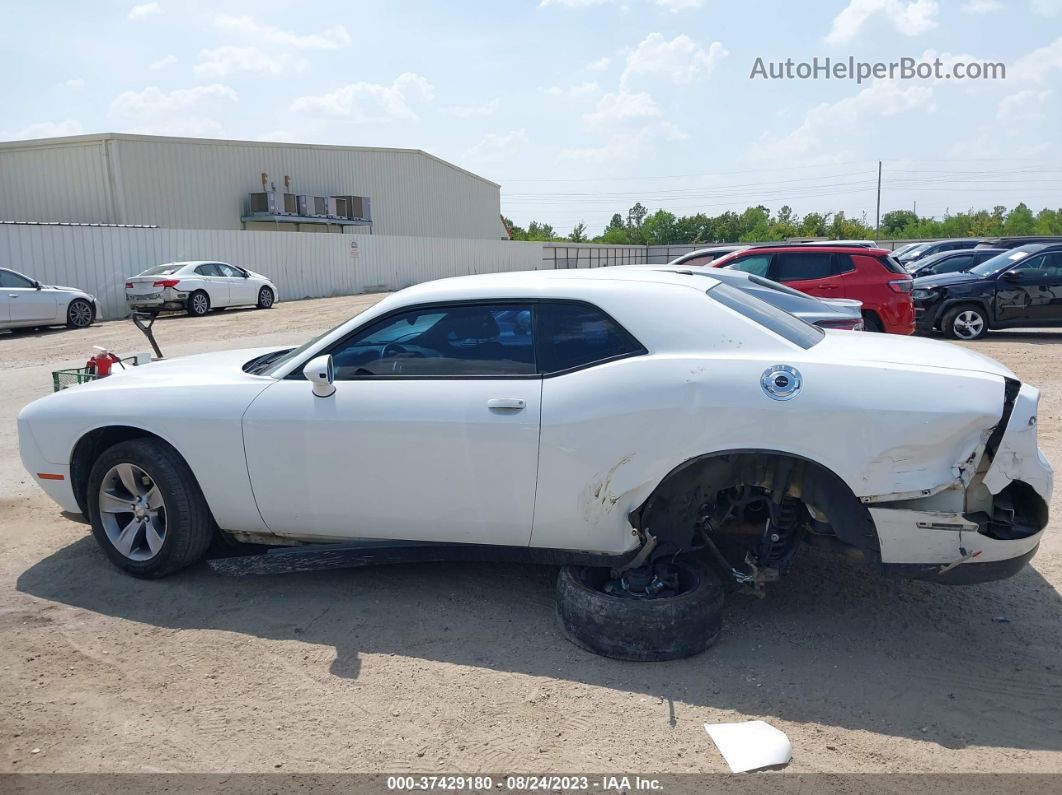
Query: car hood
x=197 y=369
x=945 y=279
x=914 y=351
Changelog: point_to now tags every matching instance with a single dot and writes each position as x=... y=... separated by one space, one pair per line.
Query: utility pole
x=877 y=223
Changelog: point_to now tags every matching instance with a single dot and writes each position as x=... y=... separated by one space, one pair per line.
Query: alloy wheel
x=265 y=298
x=968 y=325
x=199 y=304
x=80 y=314
x=132 y=512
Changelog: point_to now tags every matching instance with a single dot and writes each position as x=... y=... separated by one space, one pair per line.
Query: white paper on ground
x=750 y=745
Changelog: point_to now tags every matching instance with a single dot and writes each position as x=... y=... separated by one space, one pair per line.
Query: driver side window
x=441 y=341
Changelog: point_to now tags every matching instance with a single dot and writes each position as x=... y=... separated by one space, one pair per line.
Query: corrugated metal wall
x=303 y=265
x=203 y=184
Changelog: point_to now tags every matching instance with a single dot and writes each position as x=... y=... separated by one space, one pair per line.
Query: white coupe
x=26 y=303
x=634 y=422
x=197 y=287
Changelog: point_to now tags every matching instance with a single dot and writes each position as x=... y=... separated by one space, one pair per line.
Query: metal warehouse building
x=193 y=183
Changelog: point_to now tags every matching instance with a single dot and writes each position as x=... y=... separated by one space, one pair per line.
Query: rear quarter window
x=891 y=264
x=783 y=324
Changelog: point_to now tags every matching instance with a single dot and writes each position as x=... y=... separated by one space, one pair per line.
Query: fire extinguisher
x=100 y=363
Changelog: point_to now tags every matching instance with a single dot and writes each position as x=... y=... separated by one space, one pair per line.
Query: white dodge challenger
x=656 y=433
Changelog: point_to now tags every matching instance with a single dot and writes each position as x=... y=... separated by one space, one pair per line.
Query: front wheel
x=146 y=509
x=80 y=314
x=265 y=298
x=198 y=304
x=965 y=323
x=597 y=615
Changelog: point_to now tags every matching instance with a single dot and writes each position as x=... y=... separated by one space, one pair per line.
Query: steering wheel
x=393 y=349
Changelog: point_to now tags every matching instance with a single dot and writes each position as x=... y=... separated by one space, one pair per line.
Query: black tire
x=266 y=298
x=966 y=322
x=640 y=630
x=189 y=526
x=80 y=313
x=198 y=304
x=871 y=323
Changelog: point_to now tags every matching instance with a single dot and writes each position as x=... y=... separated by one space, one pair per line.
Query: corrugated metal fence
x=303 y=265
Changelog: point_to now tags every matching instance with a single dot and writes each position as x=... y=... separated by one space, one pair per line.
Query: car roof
x=835 y=249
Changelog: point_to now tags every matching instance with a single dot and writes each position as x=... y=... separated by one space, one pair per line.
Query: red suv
x=869 y=275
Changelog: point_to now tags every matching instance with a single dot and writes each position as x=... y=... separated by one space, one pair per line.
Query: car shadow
x=1036 y=337
x=832 y=644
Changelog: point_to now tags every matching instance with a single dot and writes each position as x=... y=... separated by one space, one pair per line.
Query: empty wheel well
x=675 y=509
x=88 y=449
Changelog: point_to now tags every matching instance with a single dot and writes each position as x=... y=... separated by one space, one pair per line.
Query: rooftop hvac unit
x=305 y=204
x=358 y=207
x=320 y=205
x=339 y=206
x=273 y=203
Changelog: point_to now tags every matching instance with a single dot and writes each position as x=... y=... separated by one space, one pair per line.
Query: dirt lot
x=461 y=667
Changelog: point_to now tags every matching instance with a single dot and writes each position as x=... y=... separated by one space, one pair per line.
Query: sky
x=578 y=108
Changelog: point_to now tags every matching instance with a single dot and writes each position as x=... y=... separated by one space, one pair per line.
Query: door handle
x=506 y=403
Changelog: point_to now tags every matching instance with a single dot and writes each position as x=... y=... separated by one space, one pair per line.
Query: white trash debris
x=750 y=745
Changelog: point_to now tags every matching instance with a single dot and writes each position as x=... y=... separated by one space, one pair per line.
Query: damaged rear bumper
x=987 y=524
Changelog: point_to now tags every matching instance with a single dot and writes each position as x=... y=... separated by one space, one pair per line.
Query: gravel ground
x=461 y=667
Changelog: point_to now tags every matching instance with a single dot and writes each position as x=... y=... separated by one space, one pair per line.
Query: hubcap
x=80 y=314
x=132 y=512
x=968 y=325
x=266 y=298
x=199 y=303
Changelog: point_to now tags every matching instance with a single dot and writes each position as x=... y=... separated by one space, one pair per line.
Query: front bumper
x=54 y=479
x=925 y=316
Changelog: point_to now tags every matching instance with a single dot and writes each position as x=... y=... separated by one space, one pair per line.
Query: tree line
x=756 y=224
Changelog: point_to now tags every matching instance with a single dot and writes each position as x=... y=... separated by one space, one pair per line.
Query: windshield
x=161 y=270
x=1000 y=262
x=912 y=253
x=783 y=324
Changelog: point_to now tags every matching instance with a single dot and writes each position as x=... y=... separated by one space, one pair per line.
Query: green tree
x=893 y=223
x=659 y=228
x=578 y=234
x=1019 y=221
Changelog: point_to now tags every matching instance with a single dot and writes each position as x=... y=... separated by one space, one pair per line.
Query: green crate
x=61 y=379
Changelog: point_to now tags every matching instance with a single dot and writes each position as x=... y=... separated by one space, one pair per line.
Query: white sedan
x=26 y=303
x=197 y=287
x=634 y=422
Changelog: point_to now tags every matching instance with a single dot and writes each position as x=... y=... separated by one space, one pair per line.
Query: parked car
x=639 y=424
x=26 y=303
x=896 y=252
x=951 y=261
x=1021 y=287
x=935 y=247
x=197 y=287
x=1024 y=240
x=869 y=275
x=703 y=256
x=837 y=313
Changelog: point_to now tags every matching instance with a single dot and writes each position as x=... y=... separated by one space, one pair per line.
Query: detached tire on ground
x=640 y=630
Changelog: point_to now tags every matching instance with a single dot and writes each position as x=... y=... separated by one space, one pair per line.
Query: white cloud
x=1038 y=64
x=1023 y=106
x=622 y=146
x=154 y=102
x=600 y=65
x=980 y=7
x=679 y=5
x=371 y=102
x=145 y=10
x=681 y=59
x=1047 y=8
x=47 y=129
x=494 y=147
x=331 y=38
x=74 y=83
x=163 y=62
x=621 y=107
x=575 y=91
x=908 y=18
x=826 y=126
x=225 y=61
x=473 y=111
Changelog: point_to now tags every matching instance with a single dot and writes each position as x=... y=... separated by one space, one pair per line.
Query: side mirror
x=1013 y=276
x=321 y=373
x=38 y=285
